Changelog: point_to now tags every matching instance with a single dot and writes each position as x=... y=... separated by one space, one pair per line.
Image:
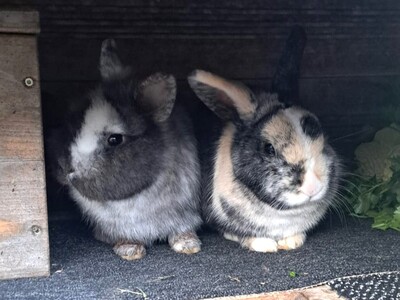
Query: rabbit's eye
x=269 y=149
x=115 y=139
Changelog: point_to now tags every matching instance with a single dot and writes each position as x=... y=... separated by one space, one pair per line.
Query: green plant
x=375 y=190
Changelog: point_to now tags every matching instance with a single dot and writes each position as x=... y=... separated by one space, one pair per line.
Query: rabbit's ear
x=226 y=98
x=110 y=65
x=286 y=79
x=156 y=96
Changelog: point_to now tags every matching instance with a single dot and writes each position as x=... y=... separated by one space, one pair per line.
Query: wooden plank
x=23 y=50
x=8 y=229
x=20 y=112
x=20 y=134
x=238 y=4
x=311 y=293
x=24 y=248
x=19 y=22
x=70 y=59
x=233 y=19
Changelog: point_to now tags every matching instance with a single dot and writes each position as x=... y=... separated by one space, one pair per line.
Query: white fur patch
x=231 y=237
x=263 y=245
x=294 y=199
x=100 y=119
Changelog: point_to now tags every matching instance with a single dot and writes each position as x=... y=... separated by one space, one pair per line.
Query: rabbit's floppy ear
x=110 y=65
x=226 y=98
x=156 y=96
x=286 y=79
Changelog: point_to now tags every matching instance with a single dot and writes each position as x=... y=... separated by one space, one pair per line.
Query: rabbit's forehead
x=285 y=131
x=100 y=118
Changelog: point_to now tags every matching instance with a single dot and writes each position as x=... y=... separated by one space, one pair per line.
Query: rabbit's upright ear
x=286 y=79
x=110 y=65
x=155 y=96
x=226 y=98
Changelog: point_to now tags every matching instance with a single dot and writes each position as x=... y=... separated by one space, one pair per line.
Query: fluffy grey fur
x=130 y=159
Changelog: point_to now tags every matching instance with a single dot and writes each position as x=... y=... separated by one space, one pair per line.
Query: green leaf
x=380 y=225
x=383 y=219
x=375 y=192
x=395 y=222
x=292 y=274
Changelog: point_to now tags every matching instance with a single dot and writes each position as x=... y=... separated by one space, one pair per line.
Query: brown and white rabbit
x=273 y=175
x=130 y=162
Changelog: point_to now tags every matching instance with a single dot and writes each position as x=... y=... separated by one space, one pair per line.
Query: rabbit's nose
x=312 y=185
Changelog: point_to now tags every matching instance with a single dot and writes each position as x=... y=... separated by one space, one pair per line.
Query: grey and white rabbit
x=273 y=175
x=130 y=162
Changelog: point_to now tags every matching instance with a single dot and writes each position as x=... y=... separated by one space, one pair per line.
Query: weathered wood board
x=350 y=63
x=24 y=246
x=350 y=74
x=309 y=293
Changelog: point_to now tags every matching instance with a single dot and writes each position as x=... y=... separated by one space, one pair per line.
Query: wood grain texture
x=24 y=247
x=20 y=111
x=8 y=228
x=225 y=18
x=19 y=22
x=24 y=250
x=72 y=59
x=323 y=292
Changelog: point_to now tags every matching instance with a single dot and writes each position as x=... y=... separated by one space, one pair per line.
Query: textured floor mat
x=83 y=268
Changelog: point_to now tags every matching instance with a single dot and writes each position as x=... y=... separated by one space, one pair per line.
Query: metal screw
x=28 y=81
x=36 y=229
